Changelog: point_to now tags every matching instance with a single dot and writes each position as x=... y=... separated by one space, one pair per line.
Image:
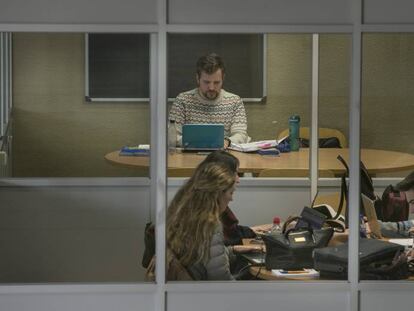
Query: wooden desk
x=376 y=161
x=263 y=274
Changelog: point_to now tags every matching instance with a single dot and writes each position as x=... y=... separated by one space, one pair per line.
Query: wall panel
x=260 y=12
x=78 y=11
x=388 y=11
x=293 y=300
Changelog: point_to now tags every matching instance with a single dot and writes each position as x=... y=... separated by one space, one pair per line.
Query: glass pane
x=334 y=92
x=287 y=72
x=387 y=95
x=75 y=135
x=80 y=229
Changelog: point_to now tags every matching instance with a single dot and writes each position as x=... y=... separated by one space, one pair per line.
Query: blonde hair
x=194 y=212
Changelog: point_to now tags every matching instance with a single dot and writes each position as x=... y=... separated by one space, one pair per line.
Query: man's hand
x=227 y=142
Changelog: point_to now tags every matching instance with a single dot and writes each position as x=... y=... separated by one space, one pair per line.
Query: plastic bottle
x=172 y=136
x=276 y=228
x=294 y=126
x=362 y=228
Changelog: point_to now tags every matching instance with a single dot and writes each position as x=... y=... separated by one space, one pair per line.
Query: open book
x=256 y=145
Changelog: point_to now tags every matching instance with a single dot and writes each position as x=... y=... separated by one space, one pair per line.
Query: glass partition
x=77 y=230
x=76 y=135
x=386 y=129
x=255 y=205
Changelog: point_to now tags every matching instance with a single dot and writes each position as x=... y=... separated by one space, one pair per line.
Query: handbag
x=378 y=260
x=292 y=249
x=174 y=269
x=393 y=205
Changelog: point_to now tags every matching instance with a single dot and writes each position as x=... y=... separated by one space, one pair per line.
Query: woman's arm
x=218 y=265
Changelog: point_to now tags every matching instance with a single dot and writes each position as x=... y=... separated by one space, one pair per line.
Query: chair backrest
x=292 y=173
x=324 y=132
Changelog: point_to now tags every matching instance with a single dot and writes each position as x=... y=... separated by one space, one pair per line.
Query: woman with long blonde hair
x=194 y=231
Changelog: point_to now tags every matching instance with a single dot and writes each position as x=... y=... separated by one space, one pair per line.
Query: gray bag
x=379 y=260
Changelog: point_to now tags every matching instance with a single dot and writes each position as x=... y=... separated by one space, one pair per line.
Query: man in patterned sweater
x=210 y=103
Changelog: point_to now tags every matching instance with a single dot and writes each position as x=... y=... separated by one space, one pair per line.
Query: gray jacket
x=217 y=266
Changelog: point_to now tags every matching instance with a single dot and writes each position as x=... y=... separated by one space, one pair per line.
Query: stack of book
x=140 y=150
x=260 y=145
x=296 y=274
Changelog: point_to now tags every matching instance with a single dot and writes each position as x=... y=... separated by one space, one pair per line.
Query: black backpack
x=366 y=187
x=327 y=142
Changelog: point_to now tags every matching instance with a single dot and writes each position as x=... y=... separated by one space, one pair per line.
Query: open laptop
x=202 y=137
x=371 y=214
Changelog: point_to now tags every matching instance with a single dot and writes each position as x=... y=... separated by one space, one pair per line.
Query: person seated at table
x=402 y=228
x=210 y=103
x=194 y=231
x=232 y=230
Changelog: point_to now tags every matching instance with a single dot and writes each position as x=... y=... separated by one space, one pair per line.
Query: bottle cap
x=276 y=220
x=294 y=118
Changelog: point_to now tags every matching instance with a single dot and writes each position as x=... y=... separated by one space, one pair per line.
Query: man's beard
x=211 y=95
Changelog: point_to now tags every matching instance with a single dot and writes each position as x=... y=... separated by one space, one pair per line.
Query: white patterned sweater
x=228 y=109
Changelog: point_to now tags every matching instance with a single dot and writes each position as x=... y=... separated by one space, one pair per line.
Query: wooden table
x=263 y=274
x=376 y=161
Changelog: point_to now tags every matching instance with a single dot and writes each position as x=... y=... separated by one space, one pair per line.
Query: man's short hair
x=209 y=64
x=407 y=183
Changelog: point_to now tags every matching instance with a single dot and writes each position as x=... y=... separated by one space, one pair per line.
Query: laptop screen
x=203 y=136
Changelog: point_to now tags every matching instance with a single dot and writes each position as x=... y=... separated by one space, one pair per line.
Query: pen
x=294 y=271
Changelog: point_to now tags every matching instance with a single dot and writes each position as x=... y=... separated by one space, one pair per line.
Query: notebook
x=256 y=259
x=203 y=137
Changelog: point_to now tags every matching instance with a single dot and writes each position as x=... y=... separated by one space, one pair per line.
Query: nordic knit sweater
x=228 y=109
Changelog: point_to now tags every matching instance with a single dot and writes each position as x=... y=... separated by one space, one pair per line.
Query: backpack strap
x=344 y=195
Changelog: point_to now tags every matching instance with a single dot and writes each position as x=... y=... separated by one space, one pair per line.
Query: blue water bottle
x=294 y=125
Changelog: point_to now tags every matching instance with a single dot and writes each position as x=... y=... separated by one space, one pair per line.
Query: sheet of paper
x=404 y=242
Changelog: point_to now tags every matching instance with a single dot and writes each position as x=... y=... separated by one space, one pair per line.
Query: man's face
x=209 y=85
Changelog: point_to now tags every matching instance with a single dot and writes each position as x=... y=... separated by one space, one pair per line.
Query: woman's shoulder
x=217 y=241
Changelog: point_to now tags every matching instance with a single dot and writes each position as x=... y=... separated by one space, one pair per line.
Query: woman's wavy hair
x=219 y=156
x=194 y=213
